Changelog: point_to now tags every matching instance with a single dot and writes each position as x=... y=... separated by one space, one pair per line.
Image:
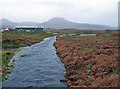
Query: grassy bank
x=90 y=61
x=11 y=41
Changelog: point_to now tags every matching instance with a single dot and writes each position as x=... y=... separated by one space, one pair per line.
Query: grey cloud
x=88 y=11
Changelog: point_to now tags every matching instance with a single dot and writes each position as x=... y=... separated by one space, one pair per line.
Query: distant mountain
x=61 y=23
x=10 y=24
x=7 y=23
x=57 y=23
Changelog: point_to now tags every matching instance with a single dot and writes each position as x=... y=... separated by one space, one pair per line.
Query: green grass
x=6 y=56
x=48 y=32
x=102 y=39
x=113 y=74
x=86 y=47
x=109 y=35
x=79 y=70
x=89 y=64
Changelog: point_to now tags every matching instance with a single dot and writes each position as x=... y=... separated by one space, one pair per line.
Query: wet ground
x=37 y=66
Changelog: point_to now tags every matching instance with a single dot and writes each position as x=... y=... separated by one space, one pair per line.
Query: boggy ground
x=89 y=61
x=11 y=41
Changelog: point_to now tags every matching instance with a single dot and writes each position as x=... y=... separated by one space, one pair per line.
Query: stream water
x=37 y=66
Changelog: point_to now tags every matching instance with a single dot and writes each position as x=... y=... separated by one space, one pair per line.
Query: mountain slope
x=57 y=23
x=61 y=23
x=10 y=24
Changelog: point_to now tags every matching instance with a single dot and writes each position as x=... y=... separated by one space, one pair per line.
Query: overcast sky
x=81 y=11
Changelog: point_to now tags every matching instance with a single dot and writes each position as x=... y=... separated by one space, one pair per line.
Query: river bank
x=11 y=41
x=89 y=61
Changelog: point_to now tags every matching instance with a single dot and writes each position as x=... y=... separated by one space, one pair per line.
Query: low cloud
x=87 y=11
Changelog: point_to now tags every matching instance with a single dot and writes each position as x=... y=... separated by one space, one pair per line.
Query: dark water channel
x=37 y=66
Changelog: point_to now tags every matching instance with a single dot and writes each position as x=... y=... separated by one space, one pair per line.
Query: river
x=37 y=66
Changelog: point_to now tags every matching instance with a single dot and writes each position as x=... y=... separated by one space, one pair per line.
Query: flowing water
x=37 y=66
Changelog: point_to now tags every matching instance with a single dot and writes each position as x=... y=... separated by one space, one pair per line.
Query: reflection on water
x=77 y=35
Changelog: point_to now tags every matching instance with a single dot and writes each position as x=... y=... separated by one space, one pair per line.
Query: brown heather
x=94 y=67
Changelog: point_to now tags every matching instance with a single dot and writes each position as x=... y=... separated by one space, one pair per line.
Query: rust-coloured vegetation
x=90 y=61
